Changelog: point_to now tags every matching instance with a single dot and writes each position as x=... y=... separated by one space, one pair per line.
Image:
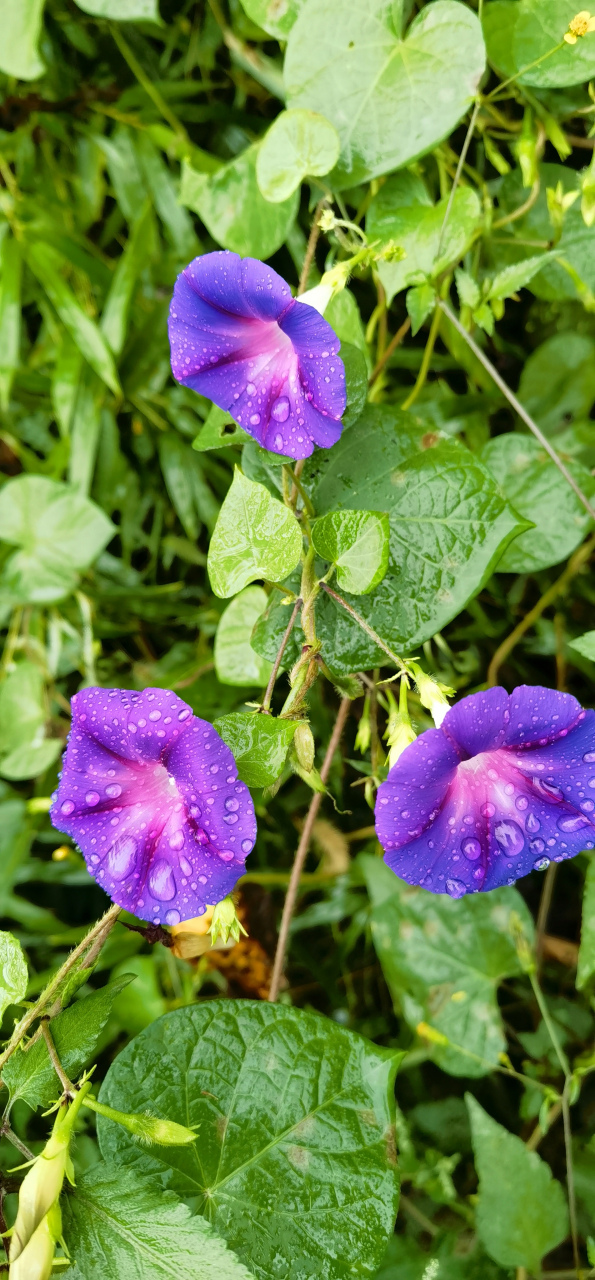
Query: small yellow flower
x=580 y=26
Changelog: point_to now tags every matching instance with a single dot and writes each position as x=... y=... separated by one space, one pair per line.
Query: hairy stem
x=311 y=247
x=301 y=852
x=102 y=928
x=365 y=626
x=266 y=702
x=67 y=1085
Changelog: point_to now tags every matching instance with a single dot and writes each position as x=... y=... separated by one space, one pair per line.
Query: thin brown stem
x=575 y=564
x=538 y=1133
x=7 y=1132
x=301 y=853
x=65 y=1081
x=570 y=1172
x=544 y=910
x=364 y=625
x=457 y=177
x=395 y=342
x=266 y=702
x=517 y=406
x=102 y=928
x=311 y=247
x=424 y=367
x=417 y=1216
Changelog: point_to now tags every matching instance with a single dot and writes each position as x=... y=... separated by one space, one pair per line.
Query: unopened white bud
x=37 y=1259
x=433 y=696
x=318 y=297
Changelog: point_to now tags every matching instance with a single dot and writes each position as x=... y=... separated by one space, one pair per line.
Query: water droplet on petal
x=548 y=790
x=589 y=757
x=509 y=836
x=572 y=824
x=225 y=854
x=280 y=409
x=185 y=865
x=232 y=805
x=154 y=715
x=278 y=442
x=183 y=715
x=541 y=864
x=521 y=802
x=488 y=810
x=121 y=857
x=246 y=846
x=537 y=846
x=254 y=419
x=92 y=798
x=471 y=848
x=161 y=881
x=532 y=822
x=177 y=840
x=172 y=917
x=250 y=389
x=113 y=791
x=67 y=807
x=455 y=888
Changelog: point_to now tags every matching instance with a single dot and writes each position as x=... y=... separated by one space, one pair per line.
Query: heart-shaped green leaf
x=233 y=208
x=255 y=537
x=259 y=744
x=295 y=1164
x=403 y=212
x=298 y=143
x=357 y=542
x=275 y=16
x=236 y=662
x=520 y=33
x=390 y=99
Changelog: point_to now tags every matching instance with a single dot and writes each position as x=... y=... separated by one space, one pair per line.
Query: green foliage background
x=133 y=136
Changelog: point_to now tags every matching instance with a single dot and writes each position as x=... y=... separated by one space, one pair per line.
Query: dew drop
x=455 y=888
x=185 y=865
x=232 y=805
x=67 y=807
x=154 y=715
x=488 y=810
x=172 y=917
x=113 y=791
x=161 y=881
x=183 y=715
x=225 y=854
x=278 y=442
x=92 y=798
x=254 y=419
x=537 y=846
x=121 y=857
x=509 y=837
x=280 y=409
x=589 y=757
x=572 y=824
x=588 y=806
x=471 y=848
x=246 y=846
x=521 y=802
x=177 y=840
x=541 y=864
x=548 y=790
x=532 y=823
x=230 y=818
x=250 y=389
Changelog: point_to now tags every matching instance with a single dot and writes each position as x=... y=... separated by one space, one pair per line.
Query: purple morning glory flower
x=239 y=337
x=151 y=795
x=506 y=784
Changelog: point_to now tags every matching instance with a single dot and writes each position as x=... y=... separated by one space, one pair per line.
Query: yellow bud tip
x=430 y=1033
x=580 y=25
x=61 y=853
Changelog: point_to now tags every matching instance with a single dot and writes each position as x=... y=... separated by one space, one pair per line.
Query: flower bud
x=36 y=1260
x=364 y=728
x=318 y=297
x=399 y=730
x=192 y=937
x=303 y=743
x=432 y=694
x=146 y=1128
x=225 y=922
x=42 y=1185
